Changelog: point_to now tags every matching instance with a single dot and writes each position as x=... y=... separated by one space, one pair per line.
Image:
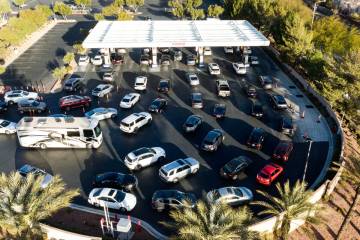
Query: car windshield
x=263 y=175
x=224 y=88
x=281 y=100
x=215 y=195
x=5 y=123
x=97 y=192
x=156 y=103
x=119 y=196
x=97 y=130
x=129 y=159
x=126 y=100
x=163 y=84
x=232 y=165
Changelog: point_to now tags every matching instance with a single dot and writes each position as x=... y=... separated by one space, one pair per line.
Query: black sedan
x=158 y=105
x=257 y=110
x=250 y=91
x=192 y=123
x=3 y=106
x=212 y=140
x=117 y=58
x=234 y=167
x=219 y=110
x=115 y=180
x=256 y=138
x=164 y=86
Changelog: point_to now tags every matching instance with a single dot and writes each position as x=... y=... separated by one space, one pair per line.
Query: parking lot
x=78 y=167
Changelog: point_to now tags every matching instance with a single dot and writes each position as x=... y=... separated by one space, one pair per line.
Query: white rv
x=59 y=132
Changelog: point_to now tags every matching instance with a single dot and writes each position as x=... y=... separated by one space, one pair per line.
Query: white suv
x=214 y=69
x=16 y=96
x=132 y=123
x=140 y=83
x=143 y=157
x=129 y=100
x=178 y=169
x=223 y=88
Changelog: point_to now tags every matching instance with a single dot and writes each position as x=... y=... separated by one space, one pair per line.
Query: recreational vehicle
x=59 y=132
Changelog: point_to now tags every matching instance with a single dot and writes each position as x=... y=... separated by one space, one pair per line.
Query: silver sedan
x=230 y=195
x=101 y=113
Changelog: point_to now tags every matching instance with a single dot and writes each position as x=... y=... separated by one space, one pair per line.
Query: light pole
x=310 y=141
x=314 y=11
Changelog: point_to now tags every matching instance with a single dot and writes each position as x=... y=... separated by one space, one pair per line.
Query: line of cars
x=108 y=185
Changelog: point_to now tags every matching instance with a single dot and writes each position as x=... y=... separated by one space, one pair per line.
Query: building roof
x=170 y=33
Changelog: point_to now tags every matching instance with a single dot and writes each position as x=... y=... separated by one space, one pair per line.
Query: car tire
x=7 y=132
x=175 y=180
x=122 y=209
x=136 y=129
x=161 y=159
x=11 y=102
x=113 y=116
x=43 y=146
x=195 y=170
x=149 y=121
x=137 y=167
x=96 y=205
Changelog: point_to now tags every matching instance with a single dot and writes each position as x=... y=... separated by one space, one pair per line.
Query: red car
x=73 y=101
x=283 y=151
x=269 y=173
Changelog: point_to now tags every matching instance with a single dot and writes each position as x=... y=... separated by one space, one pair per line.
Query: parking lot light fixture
x=309 y=141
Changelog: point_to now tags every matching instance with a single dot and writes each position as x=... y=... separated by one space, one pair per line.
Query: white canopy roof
x=141 y=34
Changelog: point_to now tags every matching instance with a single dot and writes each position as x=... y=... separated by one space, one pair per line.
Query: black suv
x=165 y=199
x=287 y=126
x=256 y=138
x=212 y=140
x=72 y=84
x=278 y=102
x=257 y=110
x=158 y=105
x=31 y=106
x=250 y=91
x=234 y=167
x=116 y=180
x=164 y=86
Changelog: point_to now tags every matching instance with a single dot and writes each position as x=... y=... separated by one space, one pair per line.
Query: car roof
x=213 y=133
x=107 y=192
x=140 y=151
x=225 y=191
x=270 y=168
x=131 y=118
x=140 y=79
x=171 y=193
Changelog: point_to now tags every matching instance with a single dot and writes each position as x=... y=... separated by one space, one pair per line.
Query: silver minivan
x=178 y=169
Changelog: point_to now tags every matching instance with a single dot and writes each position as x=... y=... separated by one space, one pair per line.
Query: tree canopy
x=214 y=10
x=24 y=203
x=63 y=9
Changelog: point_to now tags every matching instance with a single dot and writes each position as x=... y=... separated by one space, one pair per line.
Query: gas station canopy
x=151 y=34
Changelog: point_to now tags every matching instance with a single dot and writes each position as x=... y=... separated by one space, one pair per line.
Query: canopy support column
x=107 y=56
x=154 y=57
x=200 y=57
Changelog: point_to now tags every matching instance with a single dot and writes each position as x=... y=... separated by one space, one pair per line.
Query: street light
x=310 y=141
x=314 y=10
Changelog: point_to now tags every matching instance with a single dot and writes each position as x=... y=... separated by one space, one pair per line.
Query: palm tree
x=351 y=174
x=210 y=221
x=293 y=203
x=24 y=203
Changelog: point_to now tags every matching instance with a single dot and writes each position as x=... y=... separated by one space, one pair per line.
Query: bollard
x=303 y=114
x=49 y=111
x=319 y=119
x=138 y=226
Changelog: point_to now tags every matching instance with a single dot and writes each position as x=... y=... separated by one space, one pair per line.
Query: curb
x=152 y=231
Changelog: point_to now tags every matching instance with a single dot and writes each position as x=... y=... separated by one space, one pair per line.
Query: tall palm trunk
x=348 y=214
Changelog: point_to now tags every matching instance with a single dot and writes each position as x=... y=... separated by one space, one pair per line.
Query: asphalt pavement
x=78 y=167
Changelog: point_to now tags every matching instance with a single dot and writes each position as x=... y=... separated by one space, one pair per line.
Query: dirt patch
x=86 y=223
